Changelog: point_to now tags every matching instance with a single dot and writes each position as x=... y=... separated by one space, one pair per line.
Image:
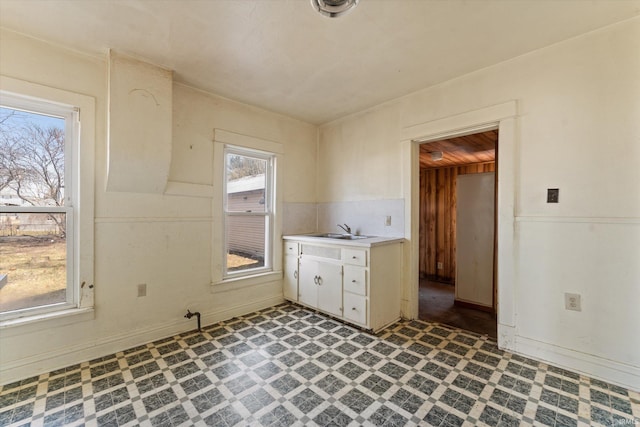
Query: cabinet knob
x=353 y=308
x=353 y=281
x=354 y=257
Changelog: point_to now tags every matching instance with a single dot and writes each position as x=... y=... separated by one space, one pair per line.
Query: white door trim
x=504 y=117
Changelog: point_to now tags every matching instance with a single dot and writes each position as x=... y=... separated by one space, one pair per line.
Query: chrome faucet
x=346 y=228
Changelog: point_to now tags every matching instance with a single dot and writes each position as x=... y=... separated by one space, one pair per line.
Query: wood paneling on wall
x=438 y=218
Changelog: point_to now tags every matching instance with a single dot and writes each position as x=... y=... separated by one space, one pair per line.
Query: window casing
x=65 y=214
x=248 y=189
x=264 y=201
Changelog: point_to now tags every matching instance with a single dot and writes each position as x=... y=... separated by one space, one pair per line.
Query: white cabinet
x=330 y=288
x=290 y=286
x=320 y=285
x=358 y=284
x=290 y=289
x=355 y=280
x=355 y=308
x=307 y=285
x=354 y=256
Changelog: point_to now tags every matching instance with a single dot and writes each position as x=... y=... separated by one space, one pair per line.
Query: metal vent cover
x=333 y=8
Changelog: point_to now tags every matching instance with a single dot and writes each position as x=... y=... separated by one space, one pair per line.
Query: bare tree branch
x=32 y=163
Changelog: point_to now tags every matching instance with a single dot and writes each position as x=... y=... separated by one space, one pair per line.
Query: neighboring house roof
x=9 y=198
x=247 y=183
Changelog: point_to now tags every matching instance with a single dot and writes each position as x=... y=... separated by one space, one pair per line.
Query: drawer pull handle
x=353 y=308
x=295 y=274
x=353 y=281
x=354 y=257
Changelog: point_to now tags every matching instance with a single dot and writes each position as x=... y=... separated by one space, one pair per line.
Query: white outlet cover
x=572 y=302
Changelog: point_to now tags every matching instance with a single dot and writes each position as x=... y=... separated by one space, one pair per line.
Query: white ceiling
x=283 y=56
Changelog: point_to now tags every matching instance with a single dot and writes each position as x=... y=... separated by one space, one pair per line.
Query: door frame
x=504 y=118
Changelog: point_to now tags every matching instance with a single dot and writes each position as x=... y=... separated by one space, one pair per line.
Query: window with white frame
x=39 y=215
x=248 y=211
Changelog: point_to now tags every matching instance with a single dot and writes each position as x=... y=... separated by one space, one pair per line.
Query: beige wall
x=577 y=129
x=358 y=158
x=161 y=240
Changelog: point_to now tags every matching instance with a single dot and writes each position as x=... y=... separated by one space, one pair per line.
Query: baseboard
x=52 y=360
x=506 y=337
x=621 y=374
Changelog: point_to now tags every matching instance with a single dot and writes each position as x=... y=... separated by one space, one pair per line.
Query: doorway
x=457 y=283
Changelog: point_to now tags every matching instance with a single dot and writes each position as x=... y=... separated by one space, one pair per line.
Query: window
x=248 y=210
x=247 y=201
x=41 y=267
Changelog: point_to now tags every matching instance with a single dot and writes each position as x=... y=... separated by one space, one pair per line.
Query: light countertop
x=367 y=242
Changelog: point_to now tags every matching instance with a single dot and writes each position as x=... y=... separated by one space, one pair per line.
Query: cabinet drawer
x=355 y=280
x=355 y=308
x=291 y=248
x=354 y=257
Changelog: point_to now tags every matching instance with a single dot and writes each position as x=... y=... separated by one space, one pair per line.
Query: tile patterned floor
x=289 y=366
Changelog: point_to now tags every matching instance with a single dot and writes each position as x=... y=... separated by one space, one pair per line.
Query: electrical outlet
x=142 y=290
x=387 y=221
x=572 y=302
x=440 y=266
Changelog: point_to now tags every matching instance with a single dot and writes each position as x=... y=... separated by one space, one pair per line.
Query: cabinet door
x=330 y=288
x=307 y=287
x=290 y=289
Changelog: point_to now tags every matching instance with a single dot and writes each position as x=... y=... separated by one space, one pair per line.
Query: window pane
x=33 y=260
x=245 y=242
x=32 y=160
x=246 y=183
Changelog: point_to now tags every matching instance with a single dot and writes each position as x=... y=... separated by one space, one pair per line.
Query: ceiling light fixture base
x=333 y=8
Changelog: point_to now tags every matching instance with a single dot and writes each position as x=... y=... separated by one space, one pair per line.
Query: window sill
x=234 y=283
x=53 y=319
